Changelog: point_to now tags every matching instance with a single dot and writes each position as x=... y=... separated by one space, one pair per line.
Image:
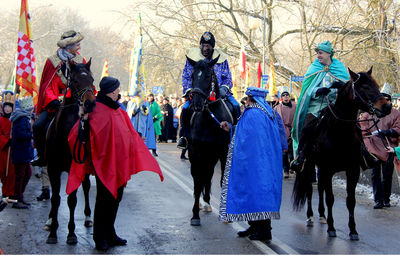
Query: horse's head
x=367 y=94
x=81 y=84
x=363 y=90
x=204 y=82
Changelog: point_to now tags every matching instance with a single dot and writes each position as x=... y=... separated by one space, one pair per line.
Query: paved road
x=154 y=218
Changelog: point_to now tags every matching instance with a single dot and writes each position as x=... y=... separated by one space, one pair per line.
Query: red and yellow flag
x=104 y=72
x=271 y=81
x=26 y=68
x=247 y=77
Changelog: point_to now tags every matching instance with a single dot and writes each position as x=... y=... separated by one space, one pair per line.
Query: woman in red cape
x=116 y=152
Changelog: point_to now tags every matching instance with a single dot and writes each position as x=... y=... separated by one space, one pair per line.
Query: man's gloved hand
x=223 y=90
x=144 y=108
x=322 y=92
x=154 y=119
x=389 y=133
x=7 y=144
x=54 y=105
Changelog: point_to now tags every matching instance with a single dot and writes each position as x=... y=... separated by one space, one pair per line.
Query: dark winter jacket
x=21 y=140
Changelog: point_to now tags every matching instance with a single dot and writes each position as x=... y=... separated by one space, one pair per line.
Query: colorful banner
x=242 y=61
x=104 y=72
x=26 y=68
x=259 y=74
x=136 y=66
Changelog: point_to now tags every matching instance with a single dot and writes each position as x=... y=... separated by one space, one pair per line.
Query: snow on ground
x=365 y=191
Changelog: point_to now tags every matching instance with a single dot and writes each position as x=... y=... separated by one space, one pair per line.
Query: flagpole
x=263 y=58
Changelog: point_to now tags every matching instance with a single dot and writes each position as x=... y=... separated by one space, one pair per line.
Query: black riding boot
x=263 y=230
x=39 y=128
x=45 y=194
x=306 y=138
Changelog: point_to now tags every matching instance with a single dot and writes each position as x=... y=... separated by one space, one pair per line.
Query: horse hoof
x=51 y=240
x=88 y=222
x=72 y=240
x=354 y=237
x=207 y=208
x=332 y=233
x=322 y=220
x=47 y=225
x=200 y=206
x=309 y=222
x=195 y=222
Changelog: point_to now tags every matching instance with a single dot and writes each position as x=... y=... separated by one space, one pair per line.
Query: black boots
x=258 y=230
x=45 y=195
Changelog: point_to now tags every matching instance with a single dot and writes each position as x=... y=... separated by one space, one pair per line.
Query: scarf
x=64 y=55
x=106 y=100
x=18 y=113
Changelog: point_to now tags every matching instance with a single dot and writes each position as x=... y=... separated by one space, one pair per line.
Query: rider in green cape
x=315 y=95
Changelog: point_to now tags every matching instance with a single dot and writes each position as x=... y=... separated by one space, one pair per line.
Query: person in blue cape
x=139 y=112
x=314 y=97
x=252 y=182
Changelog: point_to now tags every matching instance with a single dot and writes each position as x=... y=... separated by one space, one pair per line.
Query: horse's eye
x=83 y=74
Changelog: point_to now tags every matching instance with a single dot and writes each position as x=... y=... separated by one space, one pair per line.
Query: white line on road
x=261 y=246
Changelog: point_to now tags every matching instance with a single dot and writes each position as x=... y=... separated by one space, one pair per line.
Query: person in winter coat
x=22 y=148
x=7 y=175
x=157 y=118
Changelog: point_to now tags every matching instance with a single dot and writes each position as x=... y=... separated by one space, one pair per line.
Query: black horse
x=207 y=142
x=335 y=145
x=57 y=151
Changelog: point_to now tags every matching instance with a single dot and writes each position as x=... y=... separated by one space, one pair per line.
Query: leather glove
x=389 y=133
x=144 y=108
x=322 y=92
x=154 y=119
x=54 y=105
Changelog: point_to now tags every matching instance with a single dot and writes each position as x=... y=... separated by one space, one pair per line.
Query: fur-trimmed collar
x=106 y=100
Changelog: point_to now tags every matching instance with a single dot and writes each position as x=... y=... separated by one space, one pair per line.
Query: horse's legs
x=198 y=185
x=352 y=179
x=55 y=181
x=87 y=211
x=71 y=238
x=209 y=172
x=326 y=178
x=321 y=207
x=310 y=213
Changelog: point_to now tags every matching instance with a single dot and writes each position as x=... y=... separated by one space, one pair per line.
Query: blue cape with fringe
x=252 y=184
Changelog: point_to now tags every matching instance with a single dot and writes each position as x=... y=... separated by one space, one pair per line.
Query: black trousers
x=381 y=177
x=105 y=212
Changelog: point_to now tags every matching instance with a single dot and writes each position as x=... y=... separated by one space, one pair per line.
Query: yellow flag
x=25 y=75
x=271 y=81
x=104 y=72
x=234 y=83
x=247 y=77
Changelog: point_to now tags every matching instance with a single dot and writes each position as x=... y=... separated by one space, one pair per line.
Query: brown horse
x=334 y=144
x=57 y=152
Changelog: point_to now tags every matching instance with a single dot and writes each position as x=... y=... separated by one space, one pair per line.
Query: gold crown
x=8 y=97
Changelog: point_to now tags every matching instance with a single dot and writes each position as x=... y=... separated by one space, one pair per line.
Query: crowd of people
x=279 y=123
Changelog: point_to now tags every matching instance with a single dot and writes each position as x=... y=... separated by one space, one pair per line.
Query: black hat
x=108 y=84
x=209 y=38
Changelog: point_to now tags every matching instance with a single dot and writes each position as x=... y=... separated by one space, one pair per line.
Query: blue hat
x=108 y=84
x=209 y=38
x=325 y=46
x=257 y=92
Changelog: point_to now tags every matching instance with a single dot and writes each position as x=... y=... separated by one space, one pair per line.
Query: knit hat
x=69 y=38
x=26 y=103
x=284 y=89
x=387 y=90
x=108 y=84
x=209 y=38
x=325 y=46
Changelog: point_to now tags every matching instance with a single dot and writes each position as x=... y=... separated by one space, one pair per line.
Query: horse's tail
x=302 y=186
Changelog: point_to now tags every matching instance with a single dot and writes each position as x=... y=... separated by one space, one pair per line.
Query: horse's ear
x=353 y=75
x=191 y=62
x=369 y=72
x=72 y=65
x=89 y=63
x=213 y=62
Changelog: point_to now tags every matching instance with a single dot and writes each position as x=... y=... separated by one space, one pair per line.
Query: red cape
x=117 y=151
x=9 y=180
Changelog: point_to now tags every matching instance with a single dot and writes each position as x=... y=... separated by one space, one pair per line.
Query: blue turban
x=259 y=95
x=325 y=46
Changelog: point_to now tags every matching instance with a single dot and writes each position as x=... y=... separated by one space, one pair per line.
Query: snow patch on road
x=365 y=191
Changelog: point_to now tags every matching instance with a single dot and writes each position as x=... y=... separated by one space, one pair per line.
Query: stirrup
x=182 y=143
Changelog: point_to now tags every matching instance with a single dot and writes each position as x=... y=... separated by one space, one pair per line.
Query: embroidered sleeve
x=225 y=77
x=187 y=77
